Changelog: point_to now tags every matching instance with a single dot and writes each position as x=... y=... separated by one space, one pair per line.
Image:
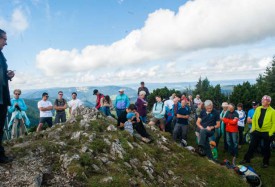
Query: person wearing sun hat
x=263 y=127
x=122 y=102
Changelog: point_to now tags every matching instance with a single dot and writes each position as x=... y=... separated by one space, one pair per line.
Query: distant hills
x=85 y=93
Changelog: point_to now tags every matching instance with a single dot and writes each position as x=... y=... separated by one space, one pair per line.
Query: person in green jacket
x=214 y=150
x=263 y=127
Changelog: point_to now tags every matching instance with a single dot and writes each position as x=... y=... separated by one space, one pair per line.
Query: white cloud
x=17 y=24
x=168 y=35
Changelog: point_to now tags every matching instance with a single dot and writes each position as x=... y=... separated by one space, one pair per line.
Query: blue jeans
x=204 y=141
x=143 y=119
x=106 y=110
x=232 y=142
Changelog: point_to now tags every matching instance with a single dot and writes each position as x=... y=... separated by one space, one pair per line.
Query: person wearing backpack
x=60 y=105
x=158 y=114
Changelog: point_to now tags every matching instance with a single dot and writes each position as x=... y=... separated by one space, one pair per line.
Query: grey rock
x=107 y=179
x=84 y=149
x=111 y=128
x=127 y=164
x=104 y=160
x=170 y=172
x=107 y=141
x=116 y=149
x=76 y=135
x=95 y=167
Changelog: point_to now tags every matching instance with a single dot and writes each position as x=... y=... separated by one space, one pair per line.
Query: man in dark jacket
x=143 y=88
x=5 y=76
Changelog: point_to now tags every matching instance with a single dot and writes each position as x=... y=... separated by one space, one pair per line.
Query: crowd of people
x=172 y=115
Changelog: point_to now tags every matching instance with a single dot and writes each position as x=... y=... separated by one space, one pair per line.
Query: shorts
x=48 y=120
x=156 y=120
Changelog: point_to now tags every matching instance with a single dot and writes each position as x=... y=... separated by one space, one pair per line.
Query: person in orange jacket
x=231 y=122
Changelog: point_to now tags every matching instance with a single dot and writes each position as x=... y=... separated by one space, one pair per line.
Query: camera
x=18 y=108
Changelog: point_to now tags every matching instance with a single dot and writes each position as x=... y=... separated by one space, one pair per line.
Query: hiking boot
x=265 y=165
x=5 y=159
x=201 y=151
x=183 y=143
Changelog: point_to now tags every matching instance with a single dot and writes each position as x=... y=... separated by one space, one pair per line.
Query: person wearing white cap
x=122 y=102
x=263 y=127
x=197 y=101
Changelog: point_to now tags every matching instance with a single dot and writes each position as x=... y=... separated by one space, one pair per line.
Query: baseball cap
x=95 y=91
x=254 y=103
x=45 y=94
x=121 y=90
x=130 y=115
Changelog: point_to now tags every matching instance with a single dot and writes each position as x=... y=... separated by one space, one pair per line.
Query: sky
x=63 y=43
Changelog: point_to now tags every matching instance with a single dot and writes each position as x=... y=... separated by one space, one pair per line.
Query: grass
x=267 y=174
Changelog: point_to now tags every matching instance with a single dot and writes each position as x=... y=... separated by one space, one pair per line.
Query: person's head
x=74 y=95
x=17 y=93
x=225 y=106
x=183 y=96
x=208 y=104
x=131 y=108
x=183 y=103
x=60 y=95
x=201 y=105
x=212 y=144
x=239 y=106
x=3 y=39
x=190 y=97
x=130 y=116
x=266 y=100
x=121 y=91
x=197 y=96
x=142 y=84
x=255 y=104
x=107 y=98
x=95 y=92
x=158 y=98
x=45 y=96
x=231 y=107
x=142 y=94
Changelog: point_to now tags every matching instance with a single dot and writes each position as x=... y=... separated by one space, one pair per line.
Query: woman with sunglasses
x=19 y=118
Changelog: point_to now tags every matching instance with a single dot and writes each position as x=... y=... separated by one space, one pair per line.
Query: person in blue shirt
x=18 y=109
x=251 y=113
x=181 y=126
x=121 y=103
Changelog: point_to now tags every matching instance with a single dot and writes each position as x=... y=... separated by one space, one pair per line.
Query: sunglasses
x=17 y=94
x=60 y=94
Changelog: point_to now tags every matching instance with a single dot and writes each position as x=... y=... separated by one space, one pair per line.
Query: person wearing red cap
x=263 y=127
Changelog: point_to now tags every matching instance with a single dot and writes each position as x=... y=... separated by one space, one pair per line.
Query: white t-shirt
x=197 y=101
x=74 y=103
x=45 y=104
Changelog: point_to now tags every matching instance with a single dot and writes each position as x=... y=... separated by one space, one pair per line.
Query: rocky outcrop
x=88 y=150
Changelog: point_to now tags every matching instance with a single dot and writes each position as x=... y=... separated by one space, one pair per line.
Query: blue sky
x=90 y=42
